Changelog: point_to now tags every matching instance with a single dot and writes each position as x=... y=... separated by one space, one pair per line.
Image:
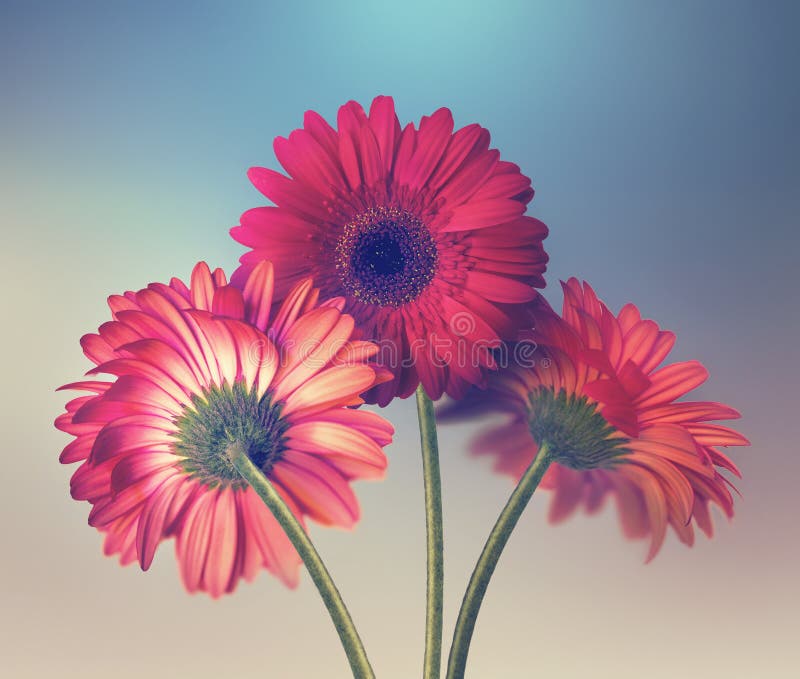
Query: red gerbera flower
x=611 y=417
x=198 y=368
x=420 y=230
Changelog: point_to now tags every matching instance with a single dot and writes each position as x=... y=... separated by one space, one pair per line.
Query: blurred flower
x=612 y=421
x=420 y=230
x=200 y=367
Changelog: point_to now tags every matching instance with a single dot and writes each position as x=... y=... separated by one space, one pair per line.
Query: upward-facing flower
x=421 y=231
x=612 y=421
x=196 y=369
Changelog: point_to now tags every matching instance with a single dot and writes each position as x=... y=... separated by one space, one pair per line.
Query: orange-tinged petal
x=663 y=466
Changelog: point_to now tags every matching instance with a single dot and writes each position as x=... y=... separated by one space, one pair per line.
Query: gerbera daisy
x=197 y=369
x=421 y=231
x=612 y=422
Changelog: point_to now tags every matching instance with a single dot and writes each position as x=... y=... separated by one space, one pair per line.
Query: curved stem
x=473 y=597
x=433 y=520
x=316 y=568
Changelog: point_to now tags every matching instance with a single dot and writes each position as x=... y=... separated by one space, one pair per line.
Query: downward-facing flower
x=612 y=422
x=421 y=231
x=196 y=369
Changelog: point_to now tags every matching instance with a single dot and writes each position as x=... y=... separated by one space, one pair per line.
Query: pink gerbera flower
x=421 y=231
x=197 y=368
x=613 y=421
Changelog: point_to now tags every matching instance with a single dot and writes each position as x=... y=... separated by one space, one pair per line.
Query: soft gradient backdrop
x=662 y=138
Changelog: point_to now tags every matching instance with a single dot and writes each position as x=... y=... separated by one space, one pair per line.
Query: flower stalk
x=473 y=597
x=434 y=534
x=353 y=646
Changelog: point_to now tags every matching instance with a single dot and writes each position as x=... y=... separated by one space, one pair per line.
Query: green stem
x=316 y=568
x=473 y=597
x=433 y=520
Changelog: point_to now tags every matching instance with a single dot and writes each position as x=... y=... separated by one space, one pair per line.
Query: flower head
x=612 y=421
x=421 y=231
x=196 y=369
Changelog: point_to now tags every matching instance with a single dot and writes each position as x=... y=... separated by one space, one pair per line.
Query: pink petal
x=631 y=507
x=505 y=185
x=286 y=193
x=432 y=139
x=95 y=386
x=156 y=305
x=672 y=443
x=268 y=361
x=279 y=555
x=369 y=423
x=228 y=301
x=357 y=351
x=202 y=287
x=479 y=215
x=689 y=411
x=498 y=288
x=141 y=369
x=311 y=344
x=99 y=411
x=133 y=468
x=325 y=135
x=405 y=149
x=128 y=499
x=77 y=450
x=249 y=346
x=126 y=435
x=257 y=294
x=318 y=489
x=386 y=129
x=716 y=435
x=605 y=391
x=460 y=146
x=350 y=118
x=633 y=379
x=193 y=541
x=654 y=501
x=133 y=389
x=678 y=491
x=119 y=303
x=92 y=482
x=671 y=382
x=371 y=163
x=304 y=158
x=165 y=357
x=150 y=528
x=470 y=178
x=567 y=495
x=222 y=345
x=340 y=385
x=330 y=438
x=96 y=349
x=219 y=574
x=264 y=227
x=290 y=309
x=218 y=276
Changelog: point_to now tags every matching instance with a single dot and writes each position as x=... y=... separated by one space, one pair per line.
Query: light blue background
x=663 y=145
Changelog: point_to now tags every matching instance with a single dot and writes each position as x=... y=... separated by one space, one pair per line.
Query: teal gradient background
x=663 y=144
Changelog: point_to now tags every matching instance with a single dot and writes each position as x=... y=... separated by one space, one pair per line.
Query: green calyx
x=224 y=415
x=577 y=435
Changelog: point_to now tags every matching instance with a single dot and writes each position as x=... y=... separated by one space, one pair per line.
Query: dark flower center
x=386 y=256
x=577 y=434
x=224 y=415
x=380 y=253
